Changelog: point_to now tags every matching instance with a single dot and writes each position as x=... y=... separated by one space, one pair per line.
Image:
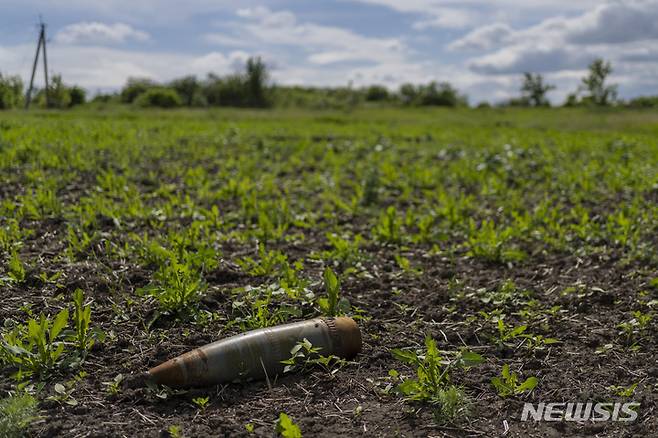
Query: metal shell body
x=257 y=354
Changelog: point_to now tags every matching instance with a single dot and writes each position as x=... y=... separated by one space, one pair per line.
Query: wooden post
x=34 y=69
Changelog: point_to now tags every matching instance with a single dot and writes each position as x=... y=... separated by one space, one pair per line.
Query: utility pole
x=40 y=45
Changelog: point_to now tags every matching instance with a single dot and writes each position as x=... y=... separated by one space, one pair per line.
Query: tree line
x=251 y=88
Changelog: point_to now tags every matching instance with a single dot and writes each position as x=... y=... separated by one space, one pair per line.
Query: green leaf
x=332 y=286
x=294 y=350
x=409 y=387
x=469 y=358
x=517 y=331
x=432 y=351
x=529 y=384
x=78 y=297
x=324 y=305
x=61 y=321
x=404 y=355
x=16 y=350
x=503 y=388
x=34 y=329
x=286 y=428
x=505 y=372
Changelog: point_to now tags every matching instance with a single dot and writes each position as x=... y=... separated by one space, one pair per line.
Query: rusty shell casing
x=257 y=353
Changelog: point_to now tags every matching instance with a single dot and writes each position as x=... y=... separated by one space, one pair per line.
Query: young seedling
x=635 y=327
x=201 y=402
x=63 y=395
x=332 y=305
x=538 y=342
x=304 y=356
x=175 y=431
x=34 y=348
x=84 y=337
x=343 y=251
x=492 y=243
x=114 y=387
x=16 y=268
x=405 y=264
x=507 y=383
x=432 y=382
x=176 y=287
x=268 y=264
x=389 y=227
x=286 y=428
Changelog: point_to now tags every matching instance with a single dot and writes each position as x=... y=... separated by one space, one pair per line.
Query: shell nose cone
x=168 y=373
x=350 y=336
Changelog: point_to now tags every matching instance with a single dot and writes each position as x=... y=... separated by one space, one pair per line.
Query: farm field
x=471 y=246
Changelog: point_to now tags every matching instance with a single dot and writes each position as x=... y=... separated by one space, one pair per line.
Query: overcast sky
x=482 y=47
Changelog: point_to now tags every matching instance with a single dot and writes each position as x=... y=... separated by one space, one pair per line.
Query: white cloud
x=483 y=38
x=99 y=33
x=565 y=43
x=322 y=44
x=448 y=18
x=616 y=23
x=464 y=13
x=531 y=58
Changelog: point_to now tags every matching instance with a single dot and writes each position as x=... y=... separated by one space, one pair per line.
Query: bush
x=11 y=91
x=432 y=94
x=161 y=97
x=248 y=89
x=106 y=98
x=376 y=93
x=59 y=95
x=643 y=102
x=442 y=94
x=408 y=94
x=226 y=91
x=78 y=95
x=134 y=87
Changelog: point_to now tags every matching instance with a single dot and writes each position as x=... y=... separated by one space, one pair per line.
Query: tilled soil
x=352 y=401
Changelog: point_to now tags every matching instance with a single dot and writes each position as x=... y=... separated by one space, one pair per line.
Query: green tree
x=377 y=93
x=11 y=92
x=188 y=88
x=599 y=93
x=408 y=94
x=440 y=94
x=534 y=89
x=78 y=95
x=59 y=95
x=256 y=82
